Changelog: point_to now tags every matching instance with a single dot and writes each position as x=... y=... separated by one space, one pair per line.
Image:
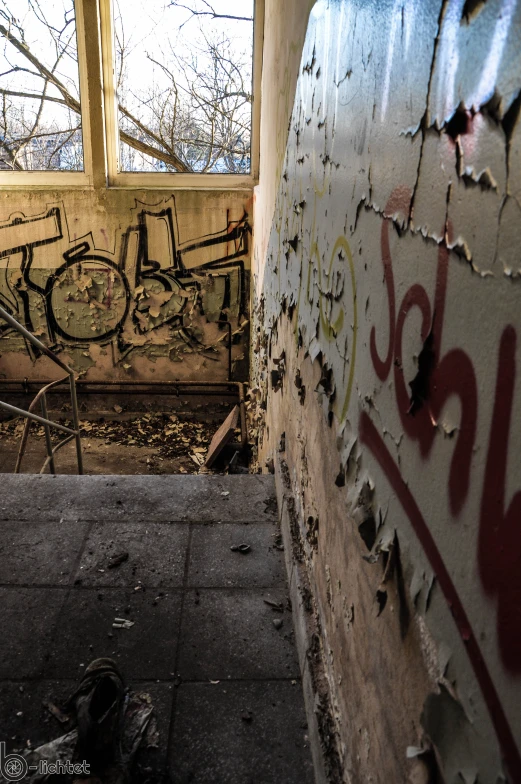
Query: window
x=183 y=83
x=163 y=97
x=40 y=113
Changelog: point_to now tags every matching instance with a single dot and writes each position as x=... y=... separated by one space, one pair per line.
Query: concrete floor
x=224 y=679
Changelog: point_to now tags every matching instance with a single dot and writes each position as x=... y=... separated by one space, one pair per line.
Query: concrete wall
x=126 y=284
x=387 y=307
x=285 y=27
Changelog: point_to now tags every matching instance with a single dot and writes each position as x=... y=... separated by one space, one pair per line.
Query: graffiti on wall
x=439 y=378
x=82 y=295
x=404 y=303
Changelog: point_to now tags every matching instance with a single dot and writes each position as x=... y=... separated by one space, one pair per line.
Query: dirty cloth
x=107 y=726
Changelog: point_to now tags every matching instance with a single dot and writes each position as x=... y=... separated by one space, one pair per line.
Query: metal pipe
x=156 y=392
x=48 y=441
x=34 y=417
x=21 y=448
x=31 y=338
x=185 y=388
x=44 y=420
x=229 y=326
x=242 y=410
x=58 y=446
x=27 y=426
x=76 y=421
x=24 y=382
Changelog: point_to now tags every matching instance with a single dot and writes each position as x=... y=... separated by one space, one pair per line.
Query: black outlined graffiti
x=20 y=237
x=87 y=295
x=81 y=261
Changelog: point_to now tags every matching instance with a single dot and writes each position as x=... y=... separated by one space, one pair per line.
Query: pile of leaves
x=172 y=436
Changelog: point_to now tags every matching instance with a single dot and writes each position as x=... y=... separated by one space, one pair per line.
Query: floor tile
x=214 y=565
x=230 y=634
x=146 y=650
x=43 y=553
x=240 y=733
x=27 y=618
x=156 y=554
x=174 y=497
x=24 y=715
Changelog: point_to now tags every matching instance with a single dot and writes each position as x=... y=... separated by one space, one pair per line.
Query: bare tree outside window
x=40 y=121
x=183 y=79
x=184 y=84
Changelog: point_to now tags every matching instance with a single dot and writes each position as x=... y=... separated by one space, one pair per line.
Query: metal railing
x=30 y=416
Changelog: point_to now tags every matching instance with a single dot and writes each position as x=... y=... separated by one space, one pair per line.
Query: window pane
x=40 y=121
x=184 y=85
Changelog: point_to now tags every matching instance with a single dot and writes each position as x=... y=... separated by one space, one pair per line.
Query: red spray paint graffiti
x=441 y=377
x=499 y=550
x=374 y=441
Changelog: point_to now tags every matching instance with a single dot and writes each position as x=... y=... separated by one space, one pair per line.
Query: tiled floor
x=223 y=678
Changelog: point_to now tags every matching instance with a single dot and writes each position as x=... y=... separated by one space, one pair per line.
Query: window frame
x=99 y=118
x=54 y=177
x=177 y=179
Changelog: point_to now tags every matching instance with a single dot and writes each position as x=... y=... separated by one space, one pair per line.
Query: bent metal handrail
x=44 y=420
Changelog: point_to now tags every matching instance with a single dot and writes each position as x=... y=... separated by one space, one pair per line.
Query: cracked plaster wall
x=125 y=284
x=384 y=373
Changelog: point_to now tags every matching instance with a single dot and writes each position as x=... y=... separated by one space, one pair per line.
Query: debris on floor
x=223 y=436
x=106 y=726
x=203 y=644
x=240 y=548
x=173 y=437
x=155 y=443
x=117 y=560
x=122 y=623
x=275 y=606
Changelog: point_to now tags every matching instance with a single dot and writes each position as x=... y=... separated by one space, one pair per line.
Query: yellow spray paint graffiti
x=332 y=329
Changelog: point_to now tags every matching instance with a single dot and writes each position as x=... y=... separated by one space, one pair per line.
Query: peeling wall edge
x=322 y=731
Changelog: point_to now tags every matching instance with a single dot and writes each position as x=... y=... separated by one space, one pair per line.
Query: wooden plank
x=222 y=437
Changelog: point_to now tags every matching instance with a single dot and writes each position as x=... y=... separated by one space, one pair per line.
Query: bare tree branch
x=147 y=149
x=24 y=49
x=34 y=96
x=211 y=12
x=73 y=104
x=195 y=116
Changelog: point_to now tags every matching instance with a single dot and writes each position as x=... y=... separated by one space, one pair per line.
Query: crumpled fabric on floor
x=107 y=727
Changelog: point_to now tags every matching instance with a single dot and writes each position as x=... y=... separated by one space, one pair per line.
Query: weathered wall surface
x=285 y=27
x=385 y=372
x=127 y=285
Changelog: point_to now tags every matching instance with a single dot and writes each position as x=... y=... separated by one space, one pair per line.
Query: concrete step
x=173 y=498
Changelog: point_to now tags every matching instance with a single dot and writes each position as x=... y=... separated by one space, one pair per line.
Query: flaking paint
x=390 y=281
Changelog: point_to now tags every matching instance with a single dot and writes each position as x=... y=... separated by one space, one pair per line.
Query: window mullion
x=258 y=46
x=91 y=85
x=109 y=91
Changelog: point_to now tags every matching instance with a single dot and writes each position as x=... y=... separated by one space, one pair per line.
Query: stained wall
x=385 y=373
x=125 y=284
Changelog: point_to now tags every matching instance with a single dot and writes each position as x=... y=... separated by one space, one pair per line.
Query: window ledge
x=62 y=181
x=219 y=182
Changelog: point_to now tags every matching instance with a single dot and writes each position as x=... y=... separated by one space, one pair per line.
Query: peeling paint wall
x=126 y=285
x=387 y=313
x=285 y=27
